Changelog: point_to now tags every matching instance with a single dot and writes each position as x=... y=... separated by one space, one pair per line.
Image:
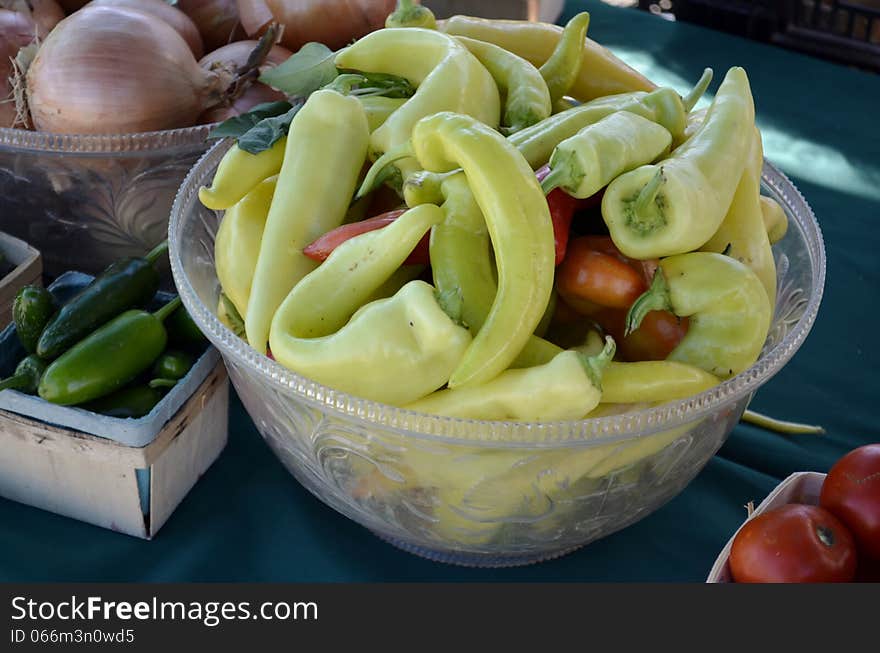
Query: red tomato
x=793 y=544
x=587 y=278
x=852 y=492
x=657 y=335
x=320 y=249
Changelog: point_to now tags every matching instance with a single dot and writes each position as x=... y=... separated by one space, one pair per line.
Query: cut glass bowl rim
x=153 y=141
x=448 y=430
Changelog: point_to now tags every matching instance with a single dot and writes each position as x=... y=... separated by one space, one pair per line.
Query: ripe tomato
x=588 y=278
x=852 y=492
x=793 y=544
x=657 y=335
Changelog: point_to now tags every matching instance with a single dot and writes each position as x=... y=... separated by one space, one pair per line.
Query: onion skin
x=16 y=31
x=134 y=73
x=182 y=23
x=46 y=14
x=231 y=57
x=216 y=20
x=335 y=23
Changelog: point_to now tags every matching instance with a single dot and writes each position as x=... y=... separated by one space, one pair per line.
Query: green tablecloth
x=248 y=520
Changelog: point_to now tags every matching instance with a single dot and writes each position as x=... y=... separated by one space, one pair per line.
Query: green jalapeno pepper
x=173 y=365
x=325 y=299
x=108 y=359
x=653 y=382
x=527 y=98
x=561 y=70
x=519 y=225
x=327 y=145
x=27 y=375
x=727 y=305
x=130 y=402
x=676 y=205
x=742 y=234
x=378 y=109
x=32 y=309
x=411 y=14
x=123 y=285
x=568 y=387
x=600 y=72
x=393 y=350
x=588 y=161
x=447 y=76
x=239 y=172
x=663 y=106
x=237 y=244
x=182 y=329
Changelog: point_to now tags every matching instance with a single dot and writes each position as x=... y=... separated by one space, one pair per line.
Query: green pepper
x=676 y=205
x=32 y=309
x=173 y=364
x=27 y=375
x=588 y=161
x=727 y=305
x=327 y=146
x=410 y=14
x=561 y=70
x=568 y=387
x=527 y=98
x=653 y=381
x=663 y=106
x=379 y=108
x=237 y=244
x=130 y=402
x=123 y=285
x=182 y=330
x=108 y=359
x=742 y=234
x=239 y=172
x=393 y=350
x=519 y=225
x=447 y=77
x=325 y=299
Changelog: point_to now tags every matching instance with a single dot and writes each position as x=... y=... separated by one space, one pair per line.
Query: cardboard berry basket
x=127 y=475
x=801 y=487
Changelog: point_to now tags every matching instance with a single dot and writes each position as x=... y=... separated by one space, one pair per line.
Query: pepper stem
x=780 y=426
x=168 y=309
x=162 y=383
x=157 y=251
x=690 y=100
x=649 y=193
x=15 y=382
x=655 y=298
x=560 y=176
x=373 y=179
x=594 y=366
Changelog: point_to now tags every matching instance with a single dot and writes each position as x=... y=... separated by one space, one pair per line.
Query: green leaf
x=311 y=68
x=267 y=132
x=239 y=125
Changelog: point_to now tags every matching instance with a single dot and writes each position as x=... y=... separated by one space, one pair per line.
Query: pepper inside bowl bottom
x=489 y=493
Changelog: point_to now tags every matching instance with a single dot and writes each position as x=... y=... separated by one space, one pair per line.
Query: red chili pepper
x=320 y=249
x=562 y=209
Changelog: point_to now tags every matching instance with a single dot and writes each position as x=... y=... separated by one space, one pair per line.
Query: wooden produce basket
x=131 y=490
x=801 y=487
x=28 y=269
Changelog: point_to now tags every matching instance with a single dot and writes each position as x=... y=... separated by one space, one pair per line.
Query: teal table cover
x=248 y=519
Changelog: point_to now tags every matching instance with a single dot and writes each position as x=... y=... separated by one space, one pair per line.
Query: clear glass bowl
x=478 y=492
x=85 y=201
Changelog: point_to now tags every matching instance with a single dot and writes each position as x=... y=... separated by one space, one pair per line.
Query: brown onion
x=116 y=70
x=231 y=58
x=16 y=31
x=334 y=23
x=217 y=21
x=182 y=23
x=45 y=13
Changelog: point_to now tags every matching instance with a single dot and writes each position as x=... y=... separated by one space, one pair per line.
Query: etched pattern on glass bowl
x=490 y=493
x=85 y=201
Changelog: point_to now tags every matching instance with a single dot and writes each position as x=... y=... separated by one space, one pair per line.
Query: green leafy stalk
x=310 y=69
